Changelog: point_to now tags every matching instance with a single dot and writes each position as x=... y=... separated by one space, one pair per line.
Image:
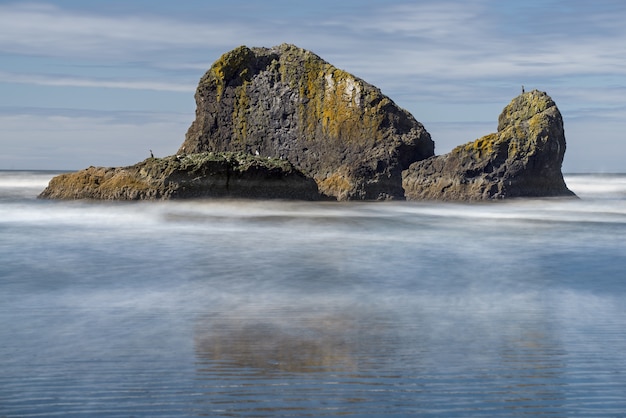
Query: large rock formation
x=286 y=102
x=283 y=123
x=523 y=159
x=190 y=176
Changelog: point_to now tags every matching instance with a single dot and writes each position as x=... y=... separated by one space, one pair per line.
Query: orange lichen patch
x=122 y=180
x=96 y=182
x=341 y=113
x=73 y=185
x=335 y=185
x=346 y=113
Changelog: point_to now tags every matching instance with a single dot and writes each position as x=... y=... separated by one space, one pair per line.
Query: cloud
x=44 y=29
x=71 y=81
x=436 y=22
x=449 y=40
x=447 y=62
x=455 y=40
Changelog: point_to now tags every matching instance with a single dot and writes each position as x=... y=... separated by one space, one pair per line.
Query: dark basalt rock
x=523 y=159
x=200 y=175
x=283 y=123
x=286 y=102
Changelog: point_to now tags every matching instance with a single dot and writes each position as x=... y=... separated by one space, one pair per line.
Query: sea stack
x=286 y=102
x=522 y=159
x=283 y=123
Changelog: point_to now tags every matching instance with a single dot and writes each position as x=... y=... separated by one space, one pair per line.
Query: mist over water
x=257 y=308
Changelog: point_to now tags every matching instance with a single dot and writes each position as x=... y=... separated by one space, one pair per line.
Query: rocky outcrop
x=286 y=102
x=283 y=123
x=522 y=159
x=190 y=176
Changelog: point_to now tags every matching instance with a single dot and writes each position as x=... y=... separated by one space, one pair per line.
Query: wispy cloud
x=71 y=81
x=44 y=29
x=441 y=40
x=446 y=61
x=467 y=40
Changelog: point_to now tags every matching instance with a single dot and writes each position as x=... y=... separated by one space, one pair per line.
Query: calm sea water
x=249 y=308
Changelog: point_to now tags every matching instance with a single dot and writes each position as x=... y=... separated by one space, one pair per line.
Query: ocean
x=282 y=309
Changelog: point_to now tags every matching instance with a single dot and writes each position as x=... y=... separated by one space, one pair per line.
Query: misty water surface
x=249 y=308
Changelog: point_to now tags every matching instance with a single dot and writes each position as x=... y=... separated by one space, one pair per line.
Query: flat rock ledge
x=200 y=175
x=522 y=159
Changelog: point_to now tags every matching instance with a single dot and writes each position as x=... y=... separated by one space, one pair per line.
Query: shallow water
x=249 y=308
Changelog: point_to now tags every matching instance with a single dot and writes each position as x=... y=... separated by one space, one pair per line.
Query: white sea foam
x=597 y=185
x=23 y=185
x=25 y=179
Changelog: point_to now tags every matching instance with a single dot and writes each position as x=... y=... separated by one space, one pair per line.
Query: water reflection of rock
x=534 y=361
x=292 y=340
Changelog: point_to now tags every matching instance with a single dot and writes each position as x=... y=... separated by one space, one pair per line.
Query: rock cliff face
x=286 y=102
x=190 y=176
x=523 y=159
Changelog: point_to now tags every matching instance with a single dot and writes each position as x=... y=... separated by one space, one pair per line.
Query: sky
x=103 y=82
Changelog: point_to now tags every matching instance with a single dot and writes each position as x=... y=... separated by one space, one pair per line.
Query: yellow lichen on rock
x=480 y=147
x=240 y=111
x=330 y=97
x=523 y=158
x=335 y=185
x=340 y=115
x=227 y=66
